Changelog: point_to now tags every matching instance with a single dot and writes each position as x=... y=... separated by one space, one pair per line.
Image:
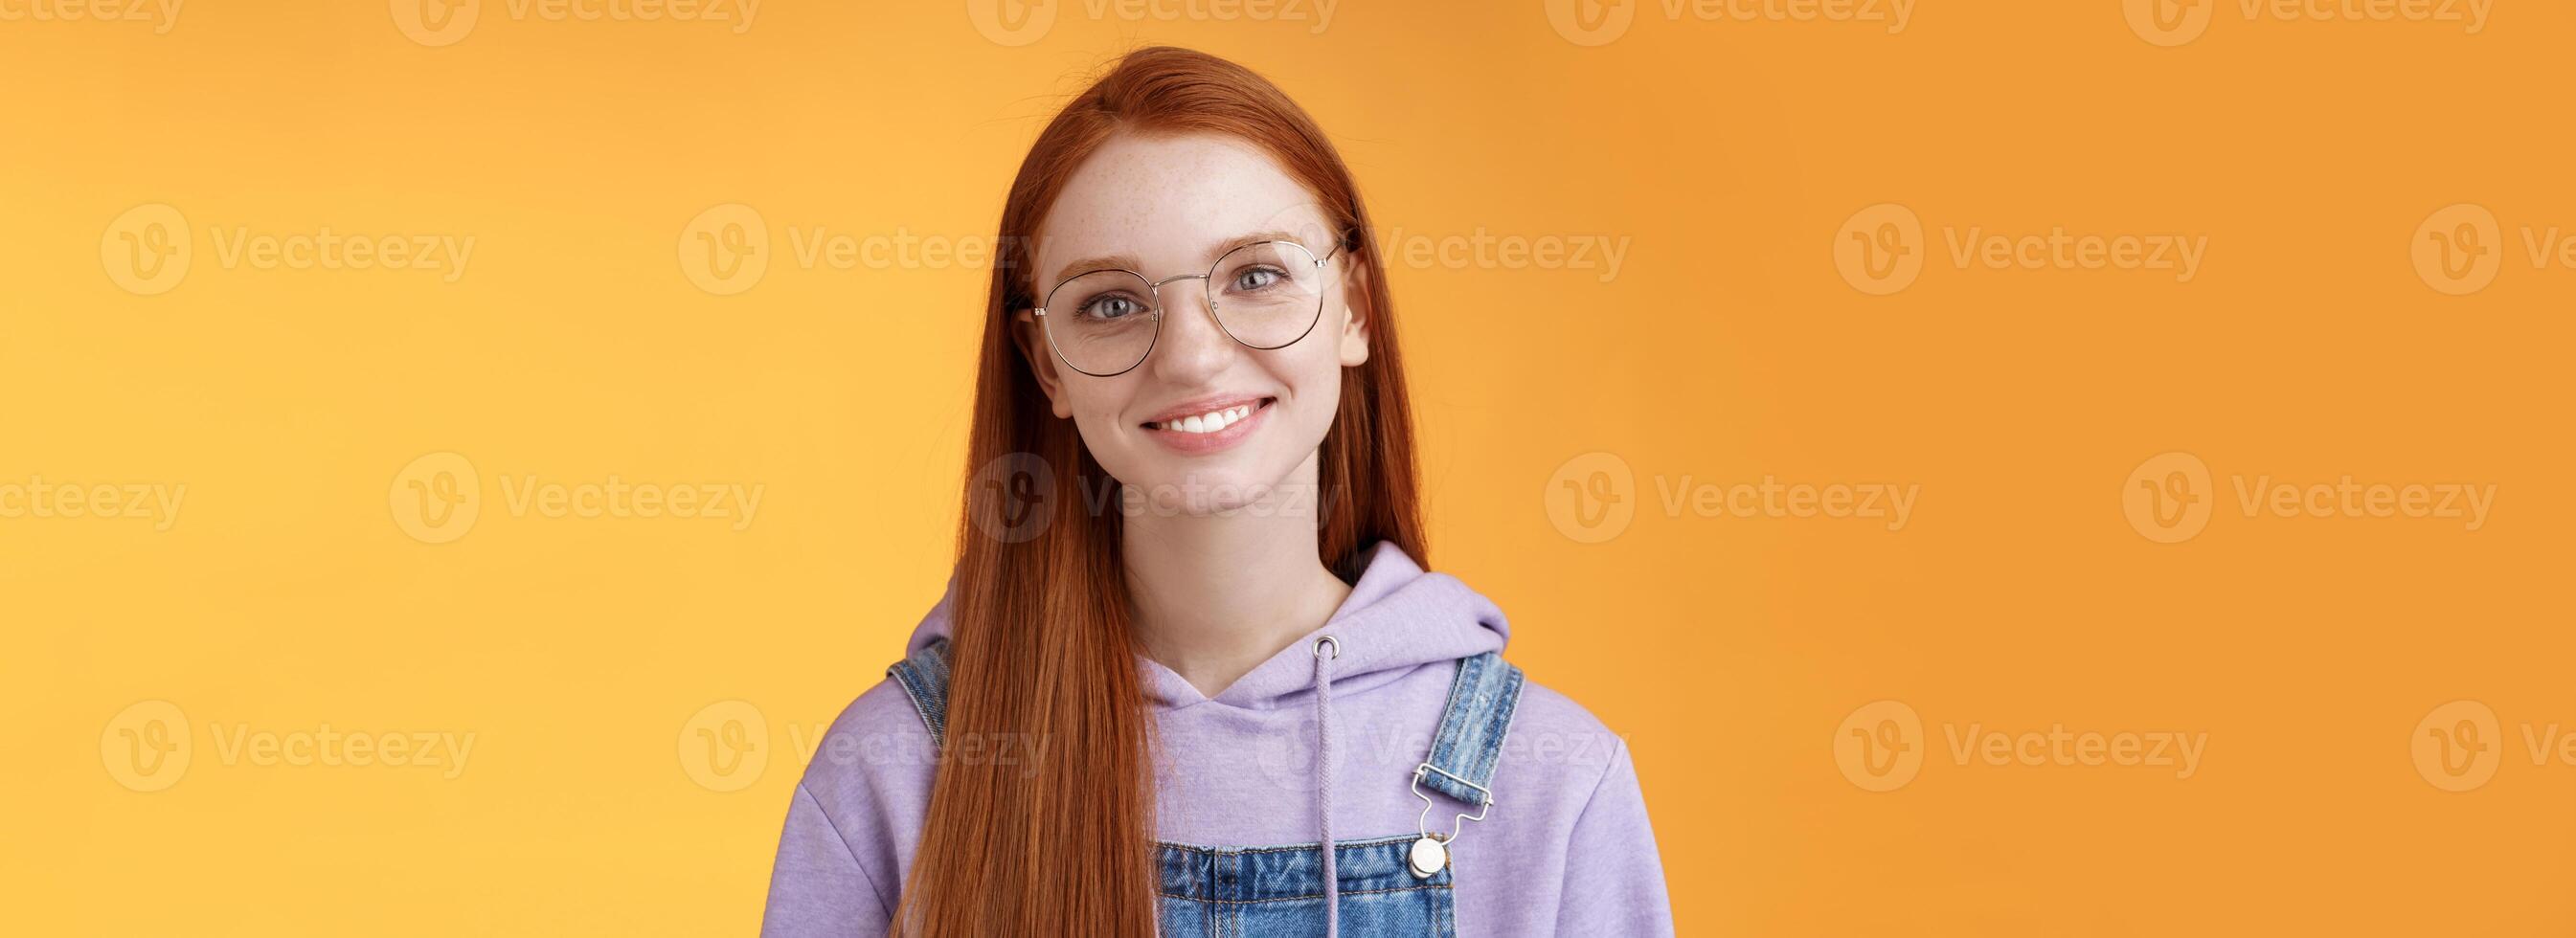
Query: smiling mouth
x=1211 y=421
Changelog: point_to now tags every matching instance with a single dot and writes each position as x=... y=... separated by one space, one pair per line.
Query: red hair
x=1041 y=641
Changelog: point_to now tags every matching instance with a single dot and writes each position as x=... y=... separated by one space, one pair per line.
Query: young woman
x=1190 y=675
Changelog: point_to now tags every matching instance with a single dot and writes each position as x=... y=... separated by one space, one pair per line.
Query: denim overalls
x=1277 y=892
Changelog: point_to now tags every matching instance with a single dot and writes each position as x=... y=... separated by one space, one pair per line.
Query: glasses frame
x=1155 y=287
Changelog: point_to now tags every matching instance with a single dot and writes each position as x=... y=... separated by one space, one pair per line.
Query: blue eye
x=1257 y=278
x=1112 y=307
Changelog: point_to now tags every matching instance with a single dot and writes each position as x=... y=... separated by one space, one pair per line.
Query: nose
x=1193 y=347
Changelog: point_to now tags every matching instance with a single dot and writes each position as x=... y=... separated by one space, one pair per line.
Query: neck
x=1216 y=595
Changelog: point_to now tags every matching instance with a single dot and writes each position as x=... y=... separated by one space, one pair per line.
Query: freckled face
x=1205 y=421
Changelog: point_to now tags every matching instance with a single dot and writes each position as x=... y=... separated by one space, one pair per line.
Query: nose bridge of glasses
x=1207 y=292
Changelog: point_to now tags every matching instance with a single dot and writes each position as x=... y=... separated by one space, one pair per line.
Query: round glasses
x=1266 y=295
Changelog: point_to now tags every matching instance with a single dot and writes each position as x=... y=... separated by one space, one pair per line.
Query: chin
x=1199 y=491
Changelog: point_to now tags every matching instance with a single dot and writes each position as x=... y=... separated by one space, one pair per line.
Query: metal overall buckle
x=1431 y=853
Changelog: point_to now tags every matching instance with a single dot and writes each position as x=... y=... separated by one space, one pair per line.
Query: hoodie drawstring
x=1324 y=779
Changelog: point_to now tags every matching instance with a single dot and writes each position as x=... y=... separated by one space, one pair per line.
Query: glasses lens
x=1267 y=294
x=1101 y=322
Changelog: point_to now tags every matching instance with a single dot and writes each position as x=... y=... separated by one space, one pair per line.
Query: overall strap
x=1472 y=728
x=924 y=678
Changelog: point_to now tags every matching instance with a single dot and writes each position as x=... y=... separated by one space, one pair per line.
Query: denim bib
x=1397 y=884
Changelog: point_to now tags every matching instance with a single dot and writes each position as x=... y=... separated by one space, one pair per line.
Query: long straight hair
x=1040 y=639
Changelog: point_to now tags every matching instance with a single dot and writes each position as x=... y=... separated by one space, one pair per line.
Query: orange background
x=291 y=590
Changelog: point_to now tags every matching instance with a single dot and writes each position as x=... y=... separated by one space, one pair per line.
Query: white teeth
x=1209 y=422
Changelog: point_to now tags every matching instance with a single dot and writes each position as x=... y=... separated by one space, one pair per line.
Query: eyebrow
x=1128 y=262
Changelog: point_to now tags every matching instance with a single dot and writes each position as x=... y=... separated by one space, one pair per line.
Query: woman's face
x=1205 y=422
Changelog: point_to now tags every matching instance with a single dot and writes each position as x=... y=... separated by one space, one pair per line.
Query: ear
x=1357 y=318
x=1031 y=338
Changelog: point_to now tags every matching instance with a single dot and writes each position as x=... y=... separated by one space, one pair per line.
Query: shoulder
x=877 y=759
x=855 y=818
x=1558 y=744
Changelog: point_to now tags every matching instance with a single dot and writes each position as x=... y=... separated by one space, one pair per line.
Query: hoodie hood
x=1307 y=753
x=1398 y=617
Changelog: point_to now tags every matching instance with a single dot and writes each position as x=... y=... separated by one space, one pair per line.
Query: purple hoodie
x=1564 y=850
